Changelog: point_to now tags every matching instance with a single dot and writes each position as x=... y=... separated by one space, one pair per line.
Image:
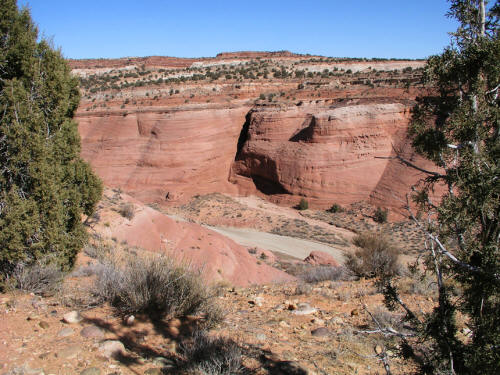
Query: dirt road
x=290 y=246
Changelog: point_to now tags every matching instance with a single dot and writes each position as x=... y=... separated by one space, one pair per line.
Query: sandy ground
x=270 y=208
x=291 y=246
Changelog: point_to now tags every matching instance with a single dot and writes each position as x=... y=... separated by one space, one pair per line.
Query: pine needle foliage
x=45 y=186
x=457 y=127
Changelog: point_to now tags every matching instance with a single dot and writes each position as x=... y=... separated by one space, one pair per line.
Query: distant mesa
x=256 y=54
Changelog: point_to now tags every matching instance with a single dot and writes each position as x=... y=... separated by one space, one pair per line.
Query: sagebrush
x=375 y=256
x=157 y=286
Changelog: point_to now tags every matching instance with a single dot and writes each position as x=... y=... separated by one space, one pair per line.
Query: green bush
x=336 y=208
x=303 y=204
x=380 y=215
x=45 y=186
x=375 y=256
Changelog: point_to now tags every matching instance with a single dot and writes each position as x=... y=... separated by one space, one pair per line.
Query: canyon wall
x=328 y=153
x=341 y=153
x=279 y=125
x=150 y=154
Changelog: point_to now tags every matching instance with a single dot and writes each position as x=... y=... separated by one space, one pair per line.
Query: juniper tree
x=45 y=186
x=457 y=127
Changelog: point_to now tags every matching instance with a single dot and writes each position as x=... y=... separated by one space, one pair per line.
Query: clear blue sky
x=340 y=28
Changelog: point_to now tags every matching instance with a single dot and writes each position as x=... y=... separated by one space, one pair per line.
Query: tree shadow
x=137 y=349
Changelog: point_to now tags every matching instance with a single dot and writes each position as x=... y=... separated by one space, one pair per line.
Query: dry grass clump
x=127 y=210
x=97 y=250
x=39 y=278
x=208 y=355
x=323 y=273
x=156 y=286
x=376 y=256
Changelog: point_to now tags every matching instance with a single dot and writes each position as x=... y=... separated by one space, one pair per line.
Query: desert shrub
x=127 y=210
x=376 y=256
x=156 y=286
x=96 y=250
x=85 y=271
x=323 y=273
x=207 y=355
x=387 y=319
x=303 y=204
x=336 y=208
x=380 y=215
x=39 y=277
x=422 y=285
x=303 y=288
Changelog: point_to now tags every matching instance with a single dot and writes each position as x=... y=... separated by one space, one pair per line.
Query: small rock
x=261 y=337
x=174 y=323
x=93 y=332
x=164 y=362
x=72 y=317
x=257 y=301
x=317 y=321
x=111 y=348
x=337 y=320
x=283 y=324
x=91 y=371
x=378 y=349
x=304 y=309
x=320 y=332
x=69 y=352
x=43 y=324
x=65 y=332
x=173 y=331
x=355 y=312
x=130 y=320
x=321 y=258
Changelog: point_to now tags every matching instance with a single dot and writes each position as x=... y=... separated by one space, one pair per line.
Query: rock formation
x=280 y=125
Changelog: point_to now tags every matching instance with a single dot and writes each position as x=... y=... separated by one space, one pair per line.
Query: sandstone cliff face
x=329 y=154
x=150 y=154
x=275 y=124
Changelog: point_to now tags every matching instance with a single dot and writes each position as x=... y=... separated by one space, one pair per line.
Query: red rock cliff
x=154 y=153
x=330 y=154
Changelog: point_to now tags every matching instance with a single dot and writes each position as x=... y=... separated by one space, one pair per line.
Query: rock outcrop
x=340 y=153
x=277 y=124
x=162 y=156
x=219 y=258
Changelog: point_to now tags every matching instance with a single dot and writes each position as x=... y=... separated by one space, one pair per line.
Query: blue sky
x=364 y=28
